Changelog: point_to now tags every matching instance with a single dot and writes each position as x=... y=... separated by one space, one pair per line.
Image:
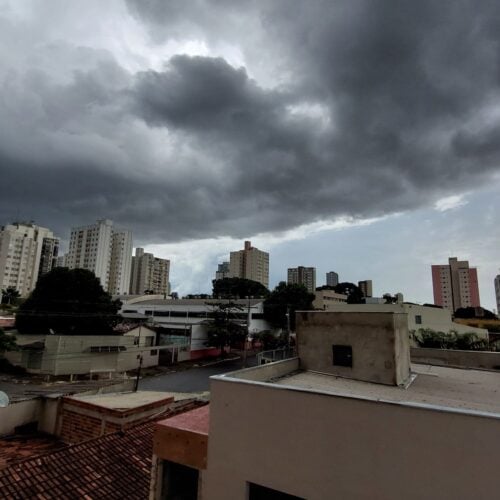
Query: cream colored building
x=326 y=299
x=348 y=419
x=302 y=276
x=26 y=252
x=149 y=273
x=104 y=251
x=250 y=263
x=85 y=354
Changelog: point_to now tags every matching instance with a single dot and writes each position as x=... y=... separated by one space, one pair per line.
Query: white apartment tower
x=26 y=252
x=105 y=252
x=121 y=263
x=149 y=274
x=303 y=276
x=250 y=263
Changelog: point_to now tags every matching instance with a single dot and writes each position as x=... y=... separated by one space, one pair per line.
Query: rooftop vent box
x=368 y=346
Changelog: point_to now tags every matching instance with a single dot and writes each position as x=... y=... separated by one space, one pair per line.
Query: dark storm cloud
x=380 y=107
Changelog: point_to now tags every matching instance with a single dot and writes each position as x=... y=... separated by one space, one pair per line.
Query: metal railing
x=265 y=357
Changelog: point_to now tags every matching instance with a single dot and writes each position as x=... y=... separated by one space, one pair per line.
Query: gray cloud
x=376 y=108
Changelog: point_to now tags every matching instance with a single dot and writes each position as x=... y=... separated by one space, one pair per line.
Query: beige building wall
x=321 y=447
x=419 y=317
x=86 y=354
x=149 y=273
x=302 y=276
x=21 y=247
x=378 y=345
x=326 y=299
x=250 y=263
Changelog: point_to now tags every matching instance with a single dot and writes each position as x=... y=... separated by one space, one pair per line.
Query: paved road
x=192 y=380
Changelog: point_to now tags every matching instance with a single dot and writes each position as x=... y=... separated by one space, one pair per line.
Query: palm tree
x=10 y=295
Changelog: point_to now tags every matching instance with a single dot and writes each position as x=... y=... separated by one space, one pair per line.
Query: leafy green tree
x=225 y=327
x=68 y=301
x=285 y=300
x=238 y=288
x=7 y=342
x=10 y=295
x=353 y=292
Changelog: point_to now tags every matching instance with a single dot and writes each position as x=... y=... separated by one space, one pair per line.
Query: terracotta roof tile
x=114 y=466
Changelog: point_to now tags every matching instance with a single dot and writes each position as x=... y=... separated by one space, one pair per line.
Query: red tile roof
x=114 y=466
x=196 y=420
x=18 y=447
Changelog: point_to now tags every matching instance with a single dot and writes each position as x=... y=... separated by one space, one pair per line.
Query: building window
x=342 y=355
x=257 y=492
x=154 y=352
x=418 y=319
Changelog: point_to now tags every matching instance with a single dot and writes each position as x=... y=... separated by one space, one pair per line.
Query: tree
x=7 y=342
x=68 y=301
x=474 y=312
x=225 y=327
x=10 y=295
x=238 y=288
x=284 y=300
x=353 y=292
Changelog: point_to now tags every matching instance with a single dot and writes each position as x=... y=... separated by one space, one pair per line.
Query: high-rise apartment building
x=105 y=252
x=455 y=285
x=332 y=279
x=497 y=292
x=366 y=286
x=120 y=263
x=303 y=276
x=250 y=263
x=26 y=252
x=149 y=274
x=222 y=271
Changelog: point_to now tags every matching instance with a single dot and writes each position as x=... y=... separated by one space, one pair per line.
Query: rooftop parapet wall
x=372 y=347
x=455 y=358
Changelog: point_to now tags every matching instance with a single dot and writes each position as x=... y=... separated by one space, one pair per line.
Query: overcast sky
x=355 y=136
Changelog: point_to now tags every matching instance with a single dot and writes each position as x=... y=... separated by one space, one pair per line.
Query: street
x=192 y=380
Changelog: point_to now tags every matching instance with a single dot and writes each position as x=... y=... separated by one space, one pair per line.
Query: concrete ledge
x=484 y=360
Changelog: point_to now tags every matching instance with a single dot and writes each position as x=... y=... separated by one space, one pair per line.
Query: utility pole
x=139 y=357
x=288 y=324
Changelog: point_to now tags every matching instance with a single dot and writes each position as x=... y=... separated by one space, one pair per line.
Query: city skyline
x=330 y=123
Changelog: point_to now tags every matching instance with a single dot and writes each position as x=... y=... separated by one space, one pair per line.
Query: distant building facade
x=303 y=276
x=497 y=292
x=104 y=251
x=332 y=278
x=149 y=274
x=26 y=252
x=366 y=287
x=250 y=263
x=222 y=271
x=120 y=263
x=455 y=285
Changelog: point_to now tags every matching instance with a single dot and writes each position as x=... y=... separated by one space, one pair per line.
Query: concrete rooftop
x=122 y=401
x=434 y=386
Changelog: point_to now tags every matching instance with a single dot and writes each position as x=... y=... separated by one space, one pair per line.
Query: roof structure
x=114 y=466
x=433 y=386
